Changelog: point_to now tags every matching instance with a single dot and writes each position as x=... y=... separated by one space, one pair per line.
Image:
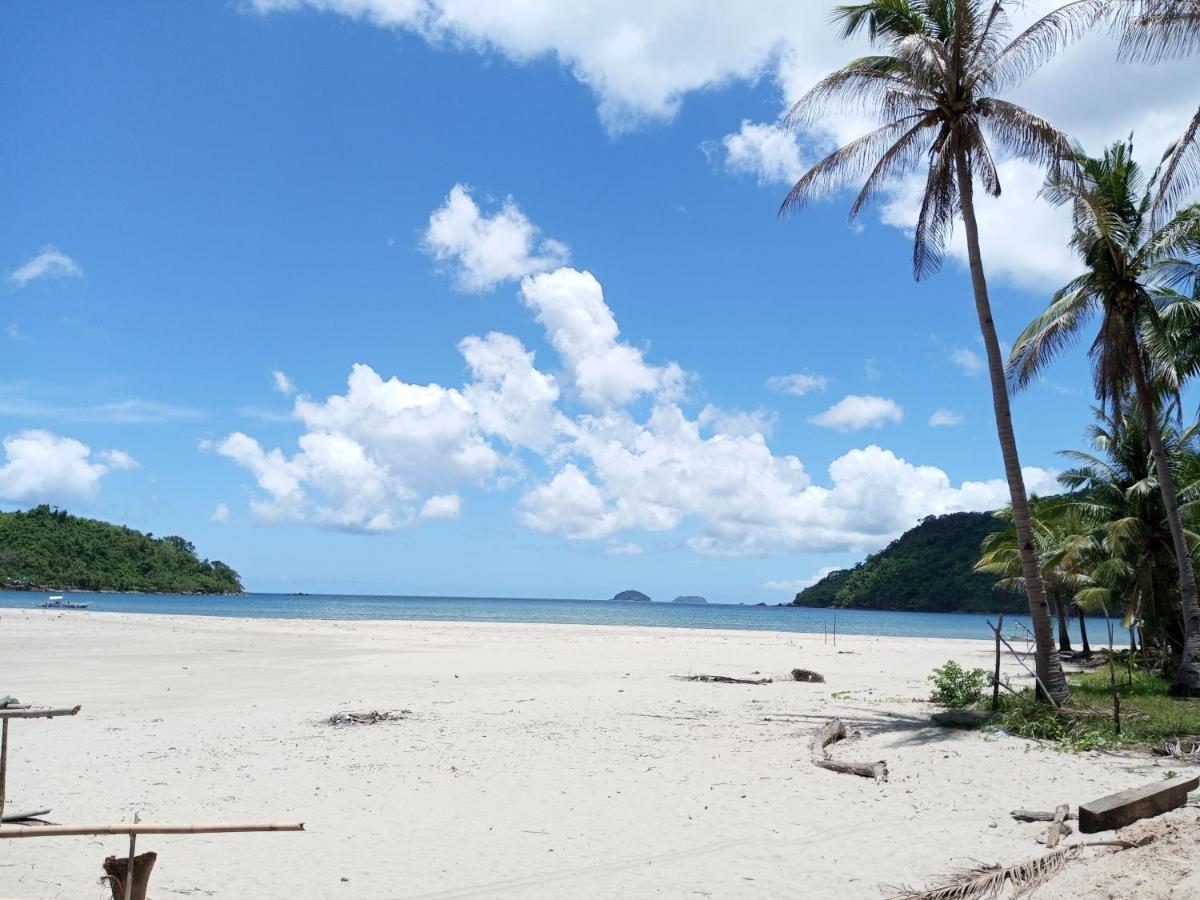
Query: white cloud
x=50 y=262
x=483 y=250
x=282 y=384
x=736 y=422
x=945 y=418
x=570 y=305
x=512 y=399
x=968 y=360
x=796 y=585
x=858 y=411
x=623 y=548
x=15 y=334
x=765 y=150
x=797 y=384
x=220 y=515
x=442 y=506
x=43 y=467
x=640 y=59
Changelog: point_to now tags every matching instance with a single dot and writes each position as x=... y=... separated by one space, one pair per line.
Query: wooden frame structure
x=21 y=711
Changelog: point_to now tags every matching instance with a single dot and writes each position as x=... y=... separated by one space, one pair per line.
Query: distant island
x=631 y=597
x=47 y=549
x=689 y=598
x=927 y=569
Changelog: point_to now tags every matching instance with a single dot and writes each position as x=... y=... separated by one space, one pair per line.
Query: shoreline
x=565 y=757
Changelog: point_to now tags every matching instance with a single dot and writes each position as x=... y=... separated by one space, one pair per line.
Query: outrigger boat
x=57 y=602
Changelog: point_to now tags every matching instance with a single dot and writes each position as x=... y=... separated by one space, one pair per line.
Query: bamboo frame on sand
x=18 y=831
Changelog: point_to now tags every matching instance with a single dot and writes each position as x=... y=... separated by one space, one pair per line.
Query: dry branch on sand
x=372 y=717
x=832 y=732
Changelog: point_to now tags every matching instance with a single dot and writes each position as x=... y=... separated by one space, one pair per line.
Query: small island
x=46 y=549
x=631 y=597
x=689 y=598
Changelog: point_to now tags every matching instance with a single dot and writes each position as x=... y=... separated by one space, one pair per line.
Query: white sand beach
x=539 y=761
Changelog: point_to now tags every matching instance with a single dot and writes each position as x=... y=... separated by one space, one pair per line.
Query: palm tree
x=1164 y=29
x=936 y=87
x=1126 y=543
x=1126 y=267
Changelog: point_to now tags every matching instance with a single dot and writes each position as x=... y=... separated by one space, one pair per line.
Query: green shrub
x=957 y=687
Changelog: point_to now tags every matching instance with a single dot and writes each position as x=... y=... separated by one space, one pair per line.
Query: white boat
x=56 y=601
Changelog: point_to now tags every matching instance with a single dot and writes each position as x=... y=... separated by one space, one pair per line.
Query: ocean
x=580 y=612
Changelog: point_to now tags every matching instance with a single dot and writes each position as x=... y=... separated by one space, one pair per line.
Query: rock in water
x=689 y=598
x=631 y=597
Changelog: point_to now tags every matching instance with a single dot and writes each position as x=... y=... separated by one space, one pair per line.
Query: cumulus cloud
x=50 y=262
x=945 y=418
x=43 y=467
x=797 y=384
x=603 y=449
x=795 y=585
x=581 y=327
x=282 y=384
x=220 y=515
x=857 y=411
x=968 y=361
x=764 y=150
x=482 y=250
x=442 y=506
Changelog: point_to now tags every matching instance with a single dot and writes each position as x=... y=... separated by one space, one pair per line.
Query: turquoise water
x=580 y=612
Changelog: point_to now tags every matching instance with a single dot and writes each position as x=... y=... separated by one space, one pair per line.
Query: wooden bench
x=1118 y=810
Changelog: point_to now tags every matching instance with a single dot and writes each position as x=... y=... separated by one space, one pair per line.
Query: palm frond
x=983 y=881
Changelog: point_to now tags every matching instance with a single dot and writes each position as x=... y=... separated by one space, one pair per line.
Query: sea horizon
x=557 y=610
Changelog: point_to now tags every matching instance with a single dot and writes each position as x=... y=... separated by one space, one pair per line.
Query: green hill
x=48 y=549
x=927 y=569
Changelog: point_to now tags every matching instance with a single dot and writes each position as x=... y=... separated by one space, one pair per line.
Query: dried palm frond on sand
x=986 y=882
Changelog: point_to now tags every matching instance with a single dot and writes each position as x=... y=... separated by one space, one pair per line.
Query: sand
x=538 y=761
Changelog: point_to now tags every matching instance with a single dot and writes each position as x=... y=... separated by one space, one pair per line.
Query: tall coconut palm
x=1131 y=557
x=936 y=87
x=1163 y=29
x=1126 y=266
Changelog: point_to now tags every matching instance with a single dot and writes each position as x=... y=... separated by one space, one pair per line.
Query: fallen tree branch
x=831 y=732
x=722 y=679
x=1033 y=815
x=1058 y=827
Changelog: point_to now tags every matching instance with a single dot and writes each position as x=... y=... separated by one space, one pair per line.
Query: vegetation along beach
x=557 y=450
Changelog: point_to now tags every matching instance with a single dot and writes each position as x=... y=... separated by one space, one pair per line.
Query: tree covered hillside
x=50 y=549
x=927 y=569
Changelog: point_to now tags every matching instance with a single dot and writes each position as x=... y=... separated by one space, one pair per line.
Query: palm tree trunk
x=1187 y=677
x=1049 y=667
x=1064 y=636
x=1087 y=648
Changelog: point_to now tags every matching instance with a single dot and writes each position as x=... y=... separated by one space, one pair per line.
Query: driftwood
x=723 y=679
x=14 y=831
x=807 y=675
x=116 y=868
x=831 y=732
x=372 y=717
x=1058 y=827
x=1033 y=815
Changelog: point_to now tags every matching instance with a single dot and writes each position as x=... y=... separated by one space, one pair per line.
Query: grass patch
x=1148 y=714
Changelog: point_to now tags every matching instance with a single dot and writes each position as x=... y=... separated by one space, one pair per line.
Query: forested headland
x=50 y=549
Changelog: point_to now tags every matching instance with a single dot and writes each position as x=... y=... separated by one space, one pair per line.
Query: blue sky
x=201 y=195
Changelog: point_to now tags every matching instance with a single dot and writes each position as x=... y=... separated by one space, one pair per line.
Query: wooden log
x=123 y=887
x=830 y=733
x=15 y=831
x=1120 y=809
x=1058 y=827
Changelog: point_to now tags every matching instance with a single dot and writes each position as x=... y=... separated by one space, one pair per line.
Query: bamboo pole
x=8 y=712
x=18 y=831
x=129 y=864
x=3 y=762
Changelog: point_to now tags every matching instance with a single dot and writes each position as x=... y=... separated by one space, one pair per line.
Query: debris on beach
x=807 y=675
x=833 y=731
x=372 y=717
x=723 y=679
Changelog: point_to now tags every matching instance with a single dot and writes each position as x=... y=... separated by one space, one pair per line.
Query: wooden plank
x=1118 y=810
x=18 y=712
